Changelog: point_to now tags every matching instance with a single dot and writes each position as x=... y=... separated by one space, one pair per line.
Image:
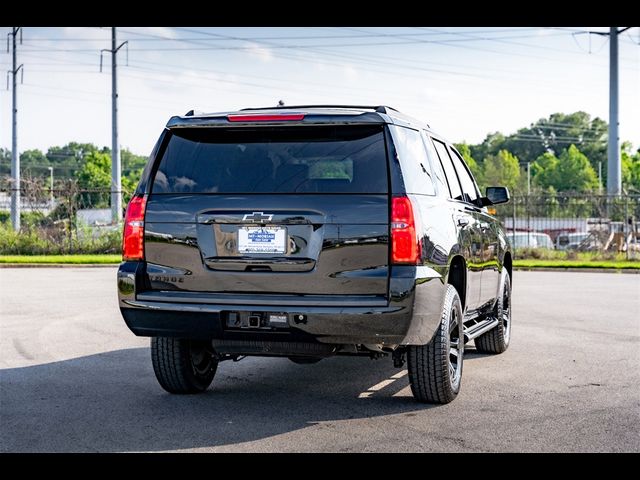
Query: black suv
x=313 y=231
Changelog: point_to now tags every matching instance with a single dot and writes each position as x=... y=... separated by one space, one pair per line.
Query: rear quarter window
x=294 y=159
x=415 y=165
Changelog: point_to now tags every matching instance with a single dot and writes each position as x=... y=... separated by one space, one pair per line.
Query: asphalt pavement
x=74 y=378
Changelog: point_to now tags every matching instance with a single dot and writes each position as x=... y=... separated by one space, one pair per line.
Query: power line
x=506 y=41
x=366 y=61
x=284 y=46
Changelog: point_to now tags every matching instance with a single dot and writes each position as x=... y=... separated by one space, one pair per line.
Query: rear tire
x=305 y=360
x=183 y=366
x=435 y=369
x=497 y=339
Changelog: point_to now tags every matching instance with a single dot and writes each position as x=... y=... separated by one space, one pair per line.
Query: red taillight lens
x=133 y=235
x=404 y=241
x=277 y=117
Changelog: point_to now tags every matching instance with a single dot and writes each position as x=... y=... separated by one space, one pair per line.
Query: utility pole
x=15 y=157
x=614 y=186
x=116 y=168
x=528 y=178
x=50 y=187
x=600 y=177
x=614 y=168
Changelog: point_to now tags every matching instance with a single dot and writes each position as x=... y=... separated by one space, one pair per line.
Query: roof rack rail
x=376 y=108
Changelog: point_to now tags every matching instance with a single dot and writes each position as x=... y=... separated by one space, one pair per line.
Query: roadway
x=73 y=378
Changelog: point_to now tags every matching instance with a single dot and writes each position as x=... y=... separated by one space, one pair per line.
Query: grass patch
x=115 y=259
x=612 y=264
x=69 y=259
x=545 y=254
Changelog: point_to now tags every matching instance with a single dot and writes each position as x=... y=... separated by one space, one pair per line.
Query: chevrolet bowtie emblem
x=257 y=217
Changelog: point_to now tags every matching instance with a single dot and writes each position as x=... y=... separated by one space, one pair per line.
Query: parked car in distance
x=520 y=239
x=311 y=231
x=570 y=241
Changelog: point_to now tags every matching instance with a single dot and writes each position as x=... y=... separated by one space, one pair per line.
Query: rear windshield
x=326 y=159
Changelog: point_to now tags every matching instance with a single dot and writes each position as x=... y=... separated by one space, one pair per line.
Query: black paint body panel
x=335 y=271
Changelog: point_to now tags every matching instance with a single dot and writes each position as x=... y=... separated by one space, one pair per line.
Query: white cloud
x=264 y=54
x=98 y=37
x=350 y=72
x=160 y=31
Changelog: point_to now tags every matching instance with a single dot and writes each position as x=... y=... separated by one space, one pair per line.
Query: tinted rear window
x=331 y=159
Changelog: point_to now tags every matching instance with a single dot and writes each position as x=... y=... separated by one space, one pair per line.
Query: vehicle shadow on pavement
x=470 y=353
x=112 y=402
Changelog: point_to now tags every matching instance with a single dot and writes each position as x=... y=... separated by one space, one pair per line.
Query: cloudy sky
x=464 y=81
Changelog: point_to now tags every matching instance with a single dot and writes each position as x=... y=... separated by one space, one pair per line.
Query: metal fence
x=573 y=222
x=560 y=222
x=67 y=201
x=65 y=220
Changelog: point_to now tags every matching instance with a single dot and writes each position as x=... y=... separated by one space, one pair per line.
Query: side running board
x=479 y=328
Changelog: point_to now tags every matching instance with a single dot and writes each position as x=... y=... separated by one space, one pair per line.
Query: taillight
x=133 y=235
x=404 y=241
x=265 y=117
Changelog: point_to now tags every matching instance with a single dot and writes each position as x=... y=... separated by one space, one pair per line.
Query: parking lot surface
x=74 y=378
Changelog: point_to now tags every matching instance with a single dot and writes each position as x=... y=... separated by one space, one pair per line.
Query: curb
x=58 y=265
x=574 y=269
x=524 y=269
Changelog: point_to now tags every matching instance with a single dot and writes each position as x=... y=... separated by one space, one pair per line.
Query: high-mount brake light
x=404 y=241
x=267 y=117
x=133 y=234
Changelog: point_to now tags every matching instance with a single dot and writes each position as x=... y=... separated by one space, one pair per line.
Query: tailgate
x=279 y=210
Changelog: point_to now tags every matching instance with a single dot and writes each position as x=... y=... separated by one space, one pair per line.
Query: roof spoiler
x=376 y=108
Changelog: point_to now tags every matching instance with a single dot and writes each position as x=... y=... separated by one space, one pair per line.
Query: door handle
x=463 y=221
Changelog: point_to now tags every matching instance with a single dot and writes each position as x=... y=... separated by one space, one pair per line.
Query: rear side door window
x=416 y=170
x=452 y=178
x=466 y=180
x=436 y=166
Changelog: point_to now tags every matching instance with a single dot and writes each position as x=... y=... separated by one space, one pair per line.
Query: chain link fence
x=70 y=219
x=67 y=219
x=573 y=223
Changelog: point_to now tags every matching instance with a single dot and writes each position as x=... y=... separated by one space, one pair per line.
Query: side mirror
x=495 y=195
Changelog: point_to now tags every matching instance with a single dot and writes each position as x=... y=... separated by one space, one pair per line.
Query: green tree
x=132 y=166
x=630 y=169
x=5 y=161
x=544 y=171
x=571 y=172
x=557 y=133
x=94 y=175
x=34 y=163
x=553 y=135
x=68 y=159
x=575 y=173
x=502 y=169
x=491 y=145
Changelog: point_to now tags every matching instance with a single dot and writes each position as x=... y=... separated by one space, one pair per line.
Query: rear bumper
x=392 y=322
x=338 y=325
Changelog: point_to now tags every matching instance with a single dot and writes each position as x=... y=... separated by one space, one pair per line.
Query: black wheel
x=183 y=366
x=497 y=339
x=305 y=360
x=435 y=369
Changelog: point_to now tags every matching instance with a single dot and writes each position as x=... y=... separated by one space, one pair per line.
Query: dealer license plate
x=262 y=240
